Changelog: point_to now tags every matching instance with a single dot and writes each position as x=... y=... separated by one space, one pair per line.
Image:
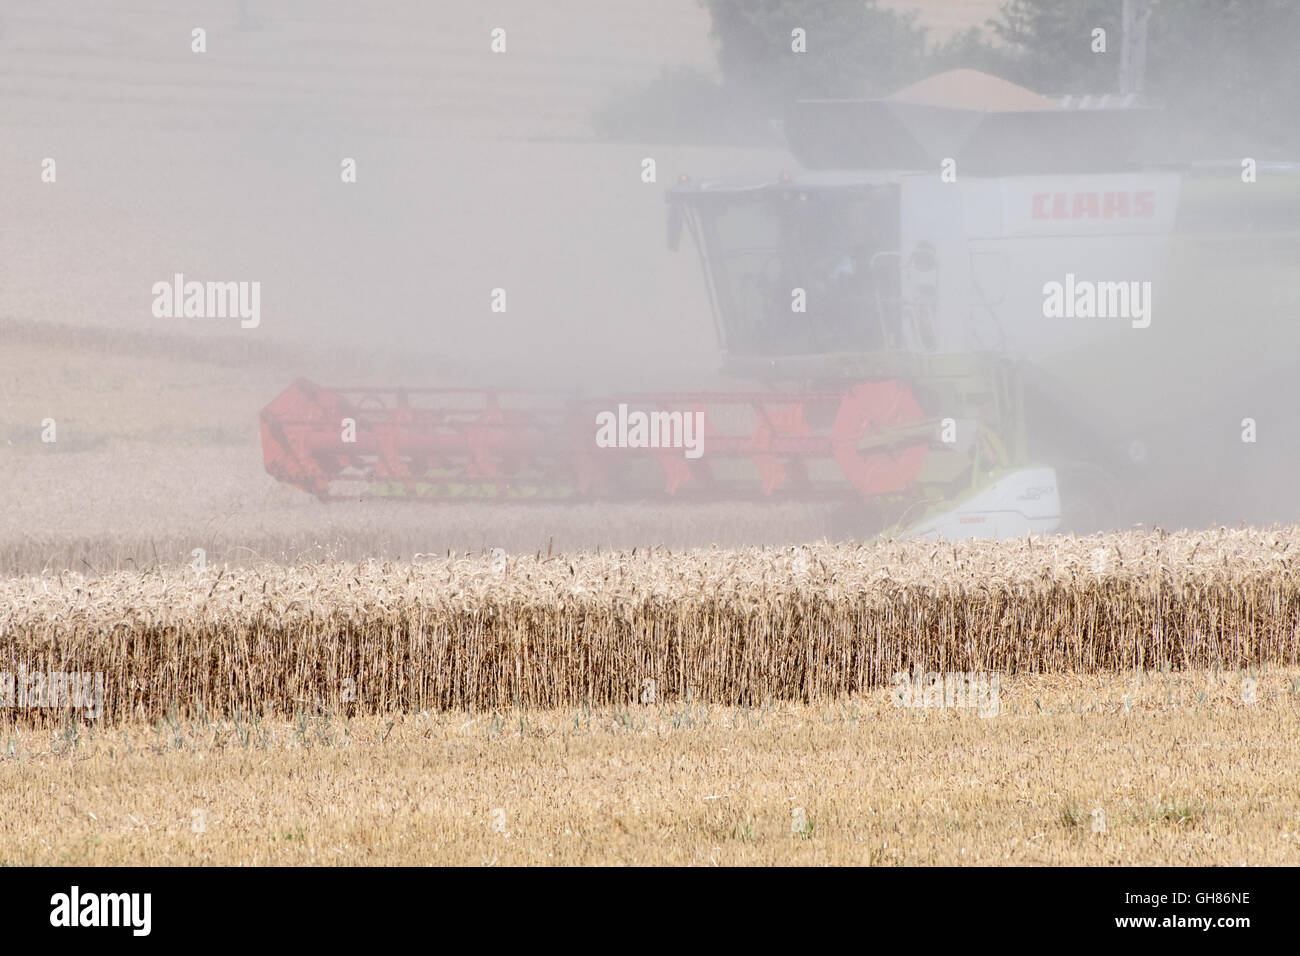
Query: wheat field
x=705 y=707
x=726 y=627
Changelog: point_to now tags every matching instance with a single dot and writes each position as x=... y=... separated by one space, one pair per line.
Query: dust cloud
x=478 y=171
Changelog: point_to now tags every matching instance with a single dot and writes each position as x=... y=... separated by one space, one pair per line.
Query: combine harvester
x=891 y=311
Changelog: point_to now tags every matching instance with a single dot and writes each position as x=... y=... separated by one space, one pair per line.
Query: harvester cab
x=773 y=249
x=821 y=283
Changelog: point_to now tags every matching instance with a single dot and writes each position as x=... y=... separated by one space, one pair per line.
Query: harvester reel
x=446 y=444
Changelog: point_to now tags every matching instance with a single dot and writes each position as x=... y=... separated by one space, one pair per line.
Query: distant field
x=158 y=453
x=1120 y=770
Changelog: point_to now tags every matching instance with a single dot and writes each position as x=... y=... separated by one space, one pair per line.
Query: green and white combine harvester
x=956 y=322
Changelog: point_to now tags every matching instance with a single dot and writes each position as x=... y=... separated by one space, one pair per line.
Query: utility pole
x=1133 y=48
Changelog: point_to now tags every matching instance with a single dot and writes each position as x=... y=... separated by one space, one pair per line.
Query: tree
x=853 y=48
x=1051 y=44
x=1226 y=69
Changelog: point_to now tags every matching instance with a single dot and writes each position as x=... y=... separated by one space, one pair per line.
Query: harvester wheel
x=1091 y=499
x=856 y=521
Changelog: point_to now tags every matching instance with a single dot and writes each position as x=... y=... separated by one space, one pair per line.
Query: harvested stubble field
x=743 y=627
x=1177 y=768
